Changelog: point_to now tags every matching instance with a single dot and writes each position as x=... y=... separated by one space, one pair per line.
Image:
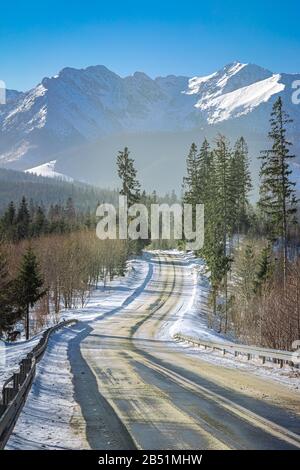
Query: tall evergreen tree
x=190 y=181
x=224 y=188
x=277 y=193
x=264 y=269
x=23 y=220
x=70 y=211
x=241 y=185
x=8 y=311
x=29 y=285
x=8 y=222
x=205 y=173
x=128 y=175
x=40 y=222
x=223 y=215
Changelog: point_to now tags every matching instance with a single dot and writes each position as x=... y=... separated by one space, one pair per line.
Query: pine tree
x=221 y=222
x=29 y=285
x=224 y=188
x=205 y=172
x=190 y=181
x=277 y=193
x=241 y=184
x=8 y=222
x=70 y=211
x=23 y=220
x=246 y=274
x=8 y=312
x=40 y=222
x=265 y=268
x=128 y=175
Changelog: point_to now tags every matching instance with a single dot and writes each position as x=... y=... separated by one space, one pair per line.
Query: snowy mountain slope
x=48 y=170
x=240 y=101
x=79 y=109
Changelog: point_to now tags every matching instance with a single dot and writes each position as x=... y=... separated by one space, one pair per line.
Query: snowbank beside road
x=101 y=301
x=190 y=316
x=62 y=418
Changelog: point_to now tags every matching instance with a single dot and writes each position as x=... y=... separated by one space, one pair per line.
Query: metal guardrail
x=274 y=355
x=16 y=388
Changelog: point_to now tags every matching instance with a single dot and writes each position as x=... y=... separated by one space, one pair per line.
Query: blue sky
x=38 y=39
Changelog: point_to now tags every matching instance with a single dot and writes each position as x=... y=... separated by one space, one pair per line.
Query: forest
x=51 y=259
x=251 y=250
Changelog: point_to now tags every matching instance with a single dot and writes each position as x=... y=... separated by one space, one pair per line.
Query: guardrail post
x=8 y=395
x=263 y=359
x=2 y=409
x=248 y=357
x=281 y=363
x=224 y=352
x=16 y=380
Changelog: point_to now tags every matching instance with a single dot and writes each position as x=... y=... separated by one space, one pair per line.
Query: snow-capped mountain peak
x=77 y=107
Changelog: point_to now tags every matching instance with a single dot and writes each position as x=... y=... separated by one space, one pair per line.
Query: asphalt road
x=136 y=391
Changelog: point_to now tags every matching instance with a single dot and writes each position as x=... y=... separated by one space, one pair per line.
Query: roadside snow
x=53 y=421
x=62 y=416
x=11 y=354
x=102 y=300
x=189 y=318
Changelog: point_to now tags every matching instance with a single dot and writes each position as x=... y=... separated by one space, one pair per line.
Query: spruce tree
x=246 y=273
x=222 y=215
x=277 y=193
x=29 y=285
x=23 y=220
x=241 y=185
x=190 y=181
x=128 y=175
x=8 y=311
x=40 y=222
x=264 y=269
x=224 y=187
x=205 y=172
x=8 y=222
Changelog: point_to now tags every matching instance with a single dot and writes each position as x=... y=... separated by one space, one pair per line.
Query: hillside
x=15 y=184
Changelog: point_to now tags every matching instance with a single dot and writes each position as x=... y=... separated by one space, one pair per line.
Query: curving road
x=136 y=391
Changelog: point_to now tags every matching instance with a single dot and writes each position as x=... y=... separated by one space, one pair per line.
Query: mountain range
x=73 y=124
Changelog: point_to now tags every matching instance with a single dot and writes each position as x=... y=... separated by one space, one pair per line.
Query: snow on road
x=189 y=318
x=51 y=410
x=53 y=421
x=101 y=301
